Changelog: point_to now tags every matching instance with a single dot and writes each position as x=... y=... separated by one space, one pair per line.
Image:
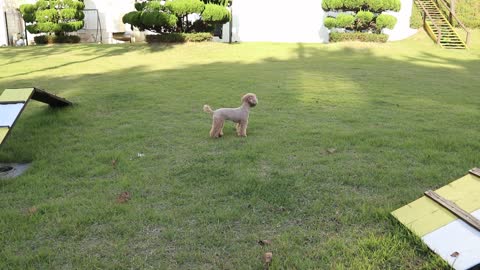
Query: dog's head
x=250 y=99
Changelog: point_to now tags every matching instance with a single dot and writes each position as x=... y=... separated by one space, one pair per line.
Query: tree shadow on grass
x=398 y=127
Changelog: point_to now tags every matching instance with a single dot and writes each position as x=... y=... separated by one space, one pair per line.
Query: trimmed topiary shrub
x=385 y=21
x=53 y=16
x=356 y=5
x=172 y=17
x=363 y=19
x=345 y=20
x=216 y=14
x=330 y=22
x=357 y=36
x=179 y=37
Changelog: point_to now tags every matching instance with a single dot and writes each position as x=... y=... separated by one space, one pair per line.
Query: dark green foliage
x=139 y=6
x=179 y=37
x=385 y=21
x=199 y=26
x=133 y=18
x=215 y=13
x=184 y=7
x=54 y=16
x=158 y=19
x=416 y=20
x=330 y=22
x=345 y=20
x=50 y=39
x=357 y=36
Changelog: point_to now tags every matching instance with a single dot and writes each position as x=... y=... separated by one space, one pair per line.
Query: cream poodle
x=238 y=115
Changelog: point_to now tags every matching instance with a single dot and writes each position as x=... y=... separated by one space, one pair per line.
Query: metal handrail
x=425 y=12
x=467 y=39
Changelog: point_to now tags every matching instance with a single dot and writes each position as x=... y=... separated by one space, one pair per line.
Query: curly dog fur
x=237 y=115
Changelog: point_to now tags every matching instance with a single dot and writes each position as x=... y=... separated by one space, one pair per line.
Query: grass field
x=343 y=134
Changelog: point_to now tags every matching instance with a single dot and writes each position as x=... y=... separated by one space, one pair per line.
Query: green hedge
x=356 y=5
x=416 y=20
x=357 y=36
x=49 y=39
x=216 y=14
x=179 y=37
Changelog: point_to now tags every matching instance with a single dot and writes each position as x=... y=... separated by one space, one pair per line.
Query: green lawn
x=402 y=118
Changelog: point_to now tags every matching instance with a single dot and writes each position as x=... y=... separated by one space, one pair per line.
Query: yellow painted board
x=3 y=133
x=423 y=216
x=16 y=94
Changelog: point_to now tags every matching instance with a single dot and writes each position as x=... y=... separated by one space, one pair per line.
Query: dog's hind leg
x=217 y=125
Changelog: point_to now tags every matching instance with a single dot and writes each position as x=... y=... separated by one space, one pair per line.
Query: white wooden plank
x=9 y=112
x=459 y=237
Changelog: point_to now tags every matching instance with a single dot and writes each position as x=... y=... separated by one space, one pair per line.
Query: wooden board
x=3 y=133
x=16 y=95
x=475 y=171
x=452 y=207
x=50 y=99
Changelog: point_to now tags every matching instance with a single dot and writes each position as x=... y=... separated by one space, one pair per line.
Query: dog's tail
x=207 y=109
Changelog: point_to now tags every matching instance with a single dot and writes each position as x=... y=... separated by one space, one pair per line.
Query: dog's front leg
x=243 y=128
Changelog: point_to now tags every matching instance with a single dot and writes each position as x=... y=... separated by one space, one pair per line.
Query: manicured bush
x=363 y=19
x=385 y=21
x=173 y=16
x=370 y=5
x=358 y=36
x=330 y=22
x=54 y=16
x=51 y=39
x=353 y=4
x=179 y=37
x=215 y=13
x=184 y=7
x=345 y=20
x=332 y=4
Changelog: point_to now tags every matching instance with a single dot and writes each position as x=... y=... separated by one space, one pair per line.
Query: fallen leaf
x=455 y=254
x=264 y=242
x=114 y=163
x=32 y=210
x=123 y=197
x=331 y=150
x=267 y=258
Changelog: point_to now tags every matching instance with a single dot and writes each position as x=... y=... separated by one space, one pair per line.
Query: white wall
x=111 y=13
x=295 y=21
x=278 y=21
x=402 y=29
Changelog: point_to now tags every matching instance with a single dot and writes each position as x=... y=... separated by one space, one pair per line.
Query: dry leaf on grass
x=114 y=163
x=32 y=210
x=267 y=258
x=331 y=150
x=123 y=197
x=264 y=242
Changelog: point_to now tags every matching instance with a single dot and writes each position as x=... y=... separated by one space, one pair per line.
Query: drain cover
x=11 y=170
